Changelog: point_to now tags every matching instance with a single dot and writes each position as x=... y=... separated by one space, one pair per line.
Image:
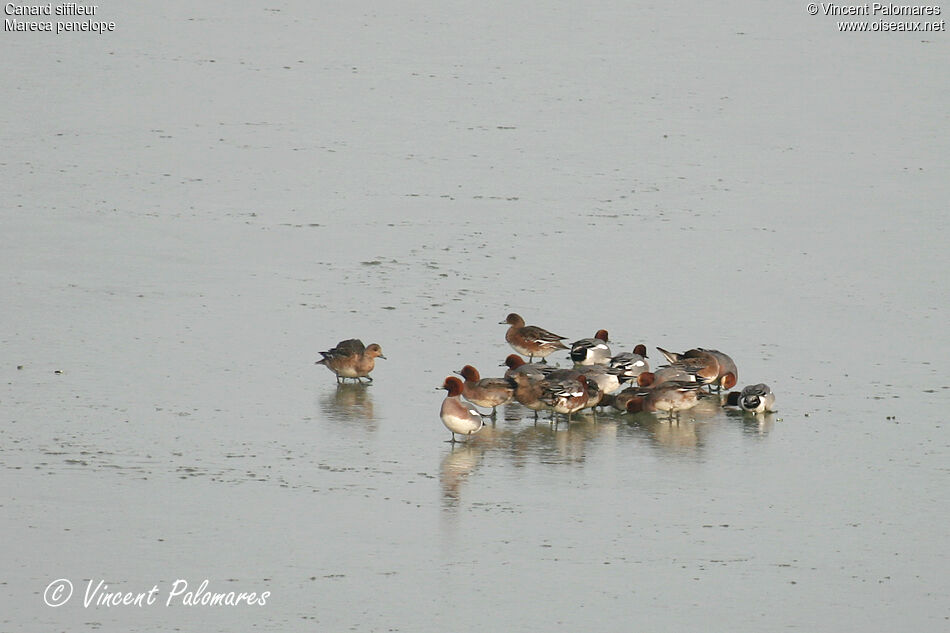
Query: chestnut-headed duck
x=619 y=400
x=486 y=392
x=643 y=383
x=566 y=396
x=753 y=398
x=456 y=415
x=631 y=364
x=351 y=359
x=528 y=390
x=517 y=365
x=591 y=351
x=671 y=397
x=710 y=366
x=531 y=340
x=703 y=365
x=728 y=372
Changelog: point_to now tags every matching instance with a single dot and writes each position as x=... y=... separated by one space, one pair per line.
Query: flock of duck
x=597 y=378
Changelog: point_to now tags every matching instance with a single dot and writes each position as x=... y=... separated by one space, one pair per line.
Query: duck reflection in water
x=685 y=435
x=350 y=401
x=522 y=446
x=760 y=424
x=456 y=466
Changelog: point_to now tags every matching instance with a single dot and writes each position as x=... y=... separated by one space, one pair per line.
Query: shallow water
x=182 y=236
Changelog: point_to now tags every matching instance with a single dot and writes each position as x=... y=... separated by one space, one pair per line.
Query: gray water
x=198 y=203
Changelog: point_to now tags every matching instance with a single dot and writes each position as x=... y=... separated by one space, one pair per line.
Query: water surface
x=200 y=202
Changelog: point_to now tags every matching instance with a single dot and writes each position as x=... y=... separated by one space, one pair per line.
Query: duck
x=591 y=351
x=486 y=392
x=668 y=373
x=518 y=365
x=528 y=391
x=631 y=364
x=711 y=367
x=702 y=365
x=728 y=371
x=566 y=396
x=619 y=400
x=531 y=340
x=351 y=359
x=607 y=379
x=595 y=394
x=456 y=415
x=644 y=382
x=672 y=397
x=753 y=398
